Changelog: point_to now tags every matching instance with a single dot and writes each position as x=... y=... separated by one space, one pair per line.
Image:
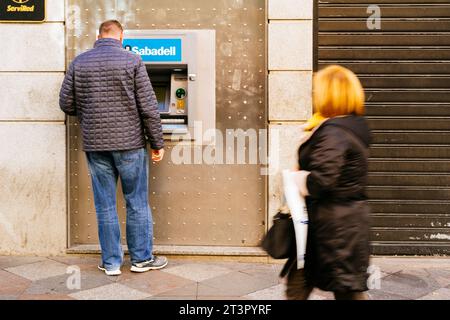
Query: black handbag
x=279 y=241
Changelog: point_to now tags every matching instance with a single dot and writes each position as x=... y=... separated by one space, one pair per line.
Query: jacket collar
x=307 y=134
x=108 y=42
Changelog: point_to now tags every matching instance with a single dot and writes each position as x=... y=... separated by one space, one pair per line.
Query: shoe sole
x=140 y=270
x=110 y=273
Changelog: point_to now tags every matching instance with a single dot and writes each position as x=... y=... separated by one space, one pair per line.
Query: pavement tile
x=8 y=297
x=59 y=284
x=234 y=265
x=314 y=296
x=172 y=298
x=263 y=267
x=205 y=290
x=88 y=263
x=39 y=270
x=45 y=297
x=197 y=272
x=267 y=271
x=440 y=294
x=173 y=262
x=189 y=290
x=154 y=282
x=442 y=276
x=232 y=284
x=224 y=298
x=317 y=294
x=410 y=284
x=13 y=261
x=272 y=293
x=39 y=278
x=113 y=291
x=11 y=284
x=382 y=295
x=385 y=266
x=395 y=264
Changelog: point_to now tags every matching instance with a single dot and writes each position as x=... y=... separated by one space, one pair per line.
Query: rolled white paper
x=297 y=207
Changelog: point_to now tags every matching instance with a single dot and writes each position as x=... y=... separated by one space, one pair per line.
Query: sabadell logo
x=146 y=51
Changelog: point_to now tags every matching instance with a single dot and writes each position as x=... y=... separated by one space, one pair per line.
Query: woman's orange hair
x=337 y=92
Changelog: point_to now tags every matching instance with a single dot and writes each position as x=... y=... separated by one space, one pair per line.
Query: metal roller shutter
x=405 y=69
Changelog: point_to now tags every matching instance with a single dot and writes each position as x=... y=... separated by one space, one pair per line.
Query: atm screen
x=161 y=96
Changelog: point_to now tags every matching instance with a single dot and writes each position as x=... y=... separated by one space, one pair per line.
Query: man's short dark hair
x=108 y=26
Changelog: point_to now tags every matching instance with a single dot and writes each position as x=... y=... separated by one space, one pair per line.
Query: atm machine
x=170 y=84
x=181 y=67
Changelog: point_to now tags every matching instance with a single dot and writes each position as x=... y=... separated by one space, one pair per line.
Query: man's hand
x=157 y=155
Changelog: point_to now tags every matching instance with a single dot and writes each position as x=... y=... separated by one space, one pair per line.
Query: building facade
x=265 y=54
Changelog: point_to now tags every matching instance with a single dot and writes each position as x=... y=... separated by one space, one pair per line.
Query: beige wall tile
x=32 y=47
x=290 y=9
x=290 y=45
x=284 y=141
x=290 y=95
x=55 y=10
x=30 y=96
x=32 y=189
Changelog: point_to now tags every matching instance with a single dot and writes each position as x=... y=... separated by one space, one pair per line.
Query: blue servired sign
x=155 y=50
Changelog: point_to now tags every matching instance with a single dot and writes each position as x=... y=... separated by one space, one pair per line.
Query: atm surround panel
x=199 y=205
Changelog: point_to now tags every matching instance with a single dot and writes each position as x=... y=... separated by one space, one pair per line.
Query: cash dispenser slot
x=170 y=83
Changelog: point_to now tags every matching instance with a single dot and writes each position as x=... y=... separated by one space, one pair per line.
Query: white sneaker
x=116 y=272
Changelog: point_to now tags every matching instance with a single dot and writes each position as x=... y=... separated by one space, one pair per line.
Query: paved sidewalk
x=191 y=279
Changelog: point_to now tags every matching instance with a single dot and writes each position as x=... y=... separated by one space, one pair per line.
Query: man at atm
x=108 y=88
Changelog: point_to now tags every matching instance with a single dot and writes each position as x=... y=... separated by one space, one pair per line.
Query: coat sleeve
x=327 y=159
x=148 y=107
x=67 y=101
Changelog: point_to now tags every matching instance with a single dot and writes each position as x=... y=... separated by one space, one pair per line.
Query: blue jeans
x=132 y=167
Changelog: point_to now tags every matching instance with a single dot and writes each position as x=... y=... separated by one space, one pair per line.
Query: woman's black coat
x=337 y=253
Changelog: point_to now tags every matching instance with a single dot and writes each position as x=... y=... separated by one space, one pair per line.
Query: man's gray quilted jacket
x=108 y=88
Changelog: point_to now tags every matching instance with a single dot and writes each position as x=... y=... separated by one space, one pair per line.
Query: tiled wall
x=32 y=136
x=290 y=47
